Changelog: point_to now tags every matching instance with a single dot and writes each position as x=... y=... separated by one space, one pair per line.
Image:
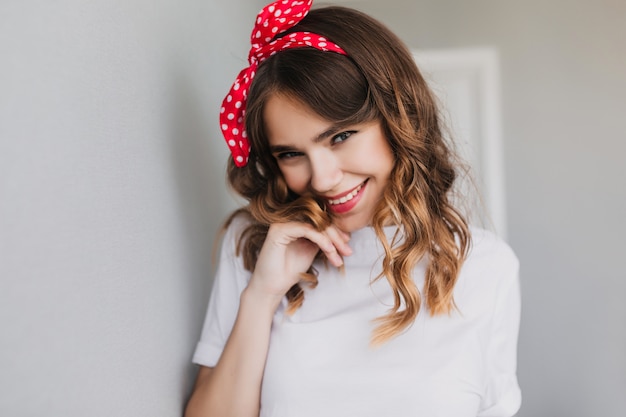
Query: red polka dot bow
x=274 y=19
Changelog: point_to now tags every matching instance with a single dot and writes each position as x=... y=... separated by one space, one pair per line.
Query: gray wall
x=111 y=190
x=564 y=101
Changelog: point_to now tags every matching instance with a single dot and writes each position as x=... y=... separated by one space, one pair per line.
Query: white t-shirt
x=320 y=362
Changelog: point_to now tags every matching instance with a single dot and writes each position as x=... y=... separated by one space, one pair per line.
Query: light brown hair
x=377 y=80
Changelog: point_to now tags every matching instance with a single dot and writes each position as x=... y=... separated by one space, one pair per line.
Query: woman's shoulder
x=485 y=243
x=238 y=221
x=232 y=229
x=490 y=270
x=490 y=255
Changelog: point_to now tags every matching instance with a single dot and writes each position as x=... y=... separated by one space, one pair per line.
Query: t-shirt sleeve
x=503 y=396
x=230 y=280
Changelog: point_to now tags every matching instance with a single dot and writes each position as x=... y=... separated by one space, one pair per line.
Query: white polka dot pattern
x=274 y=19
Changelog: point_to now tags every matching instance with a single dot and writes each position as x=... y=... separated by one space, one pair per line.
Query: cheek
x=389 y=161
x=296 y=179
x=378 y=157
x=385 y=156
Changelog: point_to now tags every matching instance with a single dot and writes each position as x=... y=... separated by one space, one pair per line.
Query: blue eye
x=341 y=137
x=287 y=155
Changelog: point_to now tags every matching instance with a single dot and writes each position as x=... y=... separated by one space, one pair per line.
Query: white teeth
x=346 y=197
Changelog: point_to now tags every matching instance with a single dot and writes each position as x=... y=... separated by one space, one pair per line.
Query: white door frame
x=467 y=83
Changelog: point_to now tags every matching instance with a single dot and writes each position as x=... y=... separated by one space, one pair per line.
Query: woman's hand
x=233 y=386
x=289 y=250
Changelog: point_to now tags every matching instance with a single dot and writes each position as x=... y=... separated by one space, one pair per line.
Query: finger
x=340 y=240
x=326 y=244
x=344 y=235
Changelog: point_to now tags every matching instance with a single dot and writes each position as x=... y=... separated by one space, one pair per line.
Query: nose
x=326 y=173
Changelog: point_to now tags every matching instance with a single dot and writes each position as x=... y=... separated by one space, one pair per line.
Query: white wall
x=564 y=101
x=111 y=190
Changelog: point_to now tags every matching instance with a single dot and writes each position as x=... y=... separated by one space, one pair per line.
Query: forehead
x=289 y=121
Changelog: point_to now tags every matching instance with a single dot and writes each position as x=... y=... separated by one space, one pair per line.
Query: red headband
x=275 y=18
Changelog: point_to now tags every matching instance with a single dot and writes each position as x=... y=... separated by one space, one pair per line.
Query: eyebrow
x=317 y=139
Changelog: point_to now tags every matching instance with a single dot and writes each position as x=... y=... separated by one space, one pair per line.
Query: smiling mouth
x=347 y=197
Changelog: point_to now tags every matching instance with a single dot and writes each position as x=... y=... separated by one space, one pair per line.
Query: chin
x=350 y=225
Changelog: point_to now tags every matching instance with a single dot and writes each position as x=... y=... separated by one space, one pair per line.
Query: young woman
x=349 y=285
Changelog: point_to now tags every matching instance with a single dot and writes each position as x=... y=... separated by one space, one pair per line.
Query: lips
x=344 y=202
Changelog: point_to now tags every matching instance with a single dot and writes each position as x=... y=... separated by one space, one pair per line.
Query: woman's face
x=347 y=167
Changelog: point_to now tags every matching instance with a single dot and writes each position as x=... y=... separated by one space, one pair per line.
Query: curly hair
x=377 y=81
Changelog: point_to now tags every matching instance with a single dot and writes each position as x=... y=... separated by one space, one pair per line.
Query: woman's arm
x=233 y=386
